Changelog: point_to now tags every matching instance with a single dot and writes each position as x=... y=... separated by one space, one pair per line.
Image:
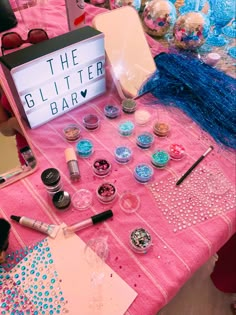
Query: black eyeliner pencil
x=179 y=181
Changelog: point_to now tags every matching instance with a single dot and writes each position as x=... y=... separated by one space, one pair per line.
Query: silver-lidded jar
x=51 y=179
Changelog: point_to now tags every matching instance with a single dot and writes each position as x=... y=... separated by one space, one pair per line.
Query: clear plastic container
x=84 y=148
x=145 y=140
x=91 y=121
x=142 y=117
x=176 y=151
x=140 y=240
x=126 y=128
x=111 y=111
x=101 y=167
x=72 y=132
x=143 y=173
x=160 y=158
x=129 y=106
x=106 y=192
x=123 y=154
x=129 y=202
x=51 y=179
x=82 y=199
x=161 y=129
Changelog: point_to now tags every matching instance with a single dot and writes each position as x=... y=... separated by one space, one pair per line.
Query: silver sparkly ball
x=191 y=30
x=158 y=17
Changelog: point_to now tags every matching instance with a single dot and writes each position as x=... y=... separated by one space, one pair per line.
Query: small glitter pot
x=160 y=158
x=126 y=128
x=144 y=140
x=143 y=173
x=106 y=192
x=128 y=106
x=142 y=117
x=61 y=200
x=51 y=179
x=91 y=121
x=161 y=129
x=84 y=148
x=72 y=132
x=129 y=202
x=140 y=240
x=82 y=199
x=111 y=111
x=123 y=154
x=101 y=167
x=176 y=151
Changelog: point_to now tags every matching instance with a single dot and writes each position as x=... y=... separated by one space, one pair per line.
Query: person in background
x=9 y=125
x=4 y=238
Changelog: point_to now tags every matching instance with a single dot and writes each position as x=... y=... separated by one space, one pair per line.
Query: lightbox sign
x=57 y=75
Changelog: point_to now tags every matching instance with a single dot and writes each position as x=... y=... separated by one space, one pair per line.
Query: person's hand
x=2 y=257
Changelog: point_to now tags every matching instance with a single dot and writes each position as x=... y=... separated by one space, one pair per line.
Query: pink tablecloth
x=188 y=224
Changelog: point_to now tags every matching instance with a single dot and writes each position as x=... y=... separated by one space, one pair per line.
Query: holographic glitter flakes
x=33 y=287
x=200 y=198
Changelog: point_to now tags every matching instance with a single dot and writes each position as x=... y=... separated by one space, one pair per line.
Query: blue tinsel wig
x=205 y=94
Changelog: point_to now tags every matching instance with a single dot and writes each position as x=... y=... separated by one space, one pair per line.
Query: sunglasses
x=13 y=40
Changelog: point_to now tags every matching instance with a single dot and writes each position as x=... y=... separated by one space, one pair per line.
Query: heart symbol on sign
x=83 y=93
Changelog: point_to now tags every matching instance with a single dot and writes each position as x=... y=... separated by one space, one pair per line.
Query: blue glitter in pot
x=143 y=173
x=126 y=128
x=123 y=154
x=144 y=140
x=84 y=148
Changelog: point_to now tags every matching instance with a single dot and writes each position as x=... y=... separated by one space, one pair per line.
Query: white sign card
x=57 y=75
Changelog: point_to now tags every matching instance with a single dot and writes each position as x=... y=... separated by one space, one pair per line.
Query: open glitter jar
x=101 y=167
x=143 y=173
x=91 y=121
x=129 y=202
x=72 y=132
x=160 y=158
x=161 y=129
x=144 y=140
x=126 y=128
x=128 y=106
x=176 y=151
x=82 y=199
x=106 y=192
x=111 y=111
x=140 y=240
x=142 y=117
x=84 y=148
x=123 y=154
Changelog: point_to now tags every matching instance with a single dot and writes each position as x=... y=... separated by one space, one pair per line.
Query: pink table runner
x=188 y=224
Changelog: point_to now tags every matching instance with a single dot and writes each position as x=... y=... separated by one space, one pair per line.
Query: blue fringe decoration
x=205 y=94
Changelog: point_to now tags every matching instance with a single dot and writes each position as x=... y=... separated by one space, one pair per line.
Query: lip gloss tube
x=72 y=164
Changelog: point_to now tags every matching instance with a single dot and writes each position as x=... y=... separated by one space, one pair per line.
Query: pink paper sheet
x=187 y=225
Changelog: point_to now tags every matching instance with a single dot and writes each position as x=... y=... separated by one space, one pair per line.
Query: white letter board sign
x=55 y=76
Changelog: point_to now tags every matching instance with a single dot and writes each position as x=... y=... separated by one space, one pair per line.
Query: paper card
x=62 y=275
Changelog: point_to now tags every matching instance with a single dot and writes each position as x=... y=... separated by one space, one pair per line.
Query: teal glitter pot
x=144 y=140
x=143 y=173
x=160 y=158
x=123 y=154
x=84 y=148
x=126 y=128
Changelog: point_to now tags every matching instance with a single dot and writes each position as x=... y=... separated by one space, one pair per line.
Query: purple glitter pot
x=160 y=158
x=91 y=121
x=101 y=167
x=111 y=111
x=126 y=128
x=84 y=148
x=72 y=132
x=140 y=240
x=129 y=106
x=143 y=173
x=106 y=193
x=144 y=140
x=123 y=154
